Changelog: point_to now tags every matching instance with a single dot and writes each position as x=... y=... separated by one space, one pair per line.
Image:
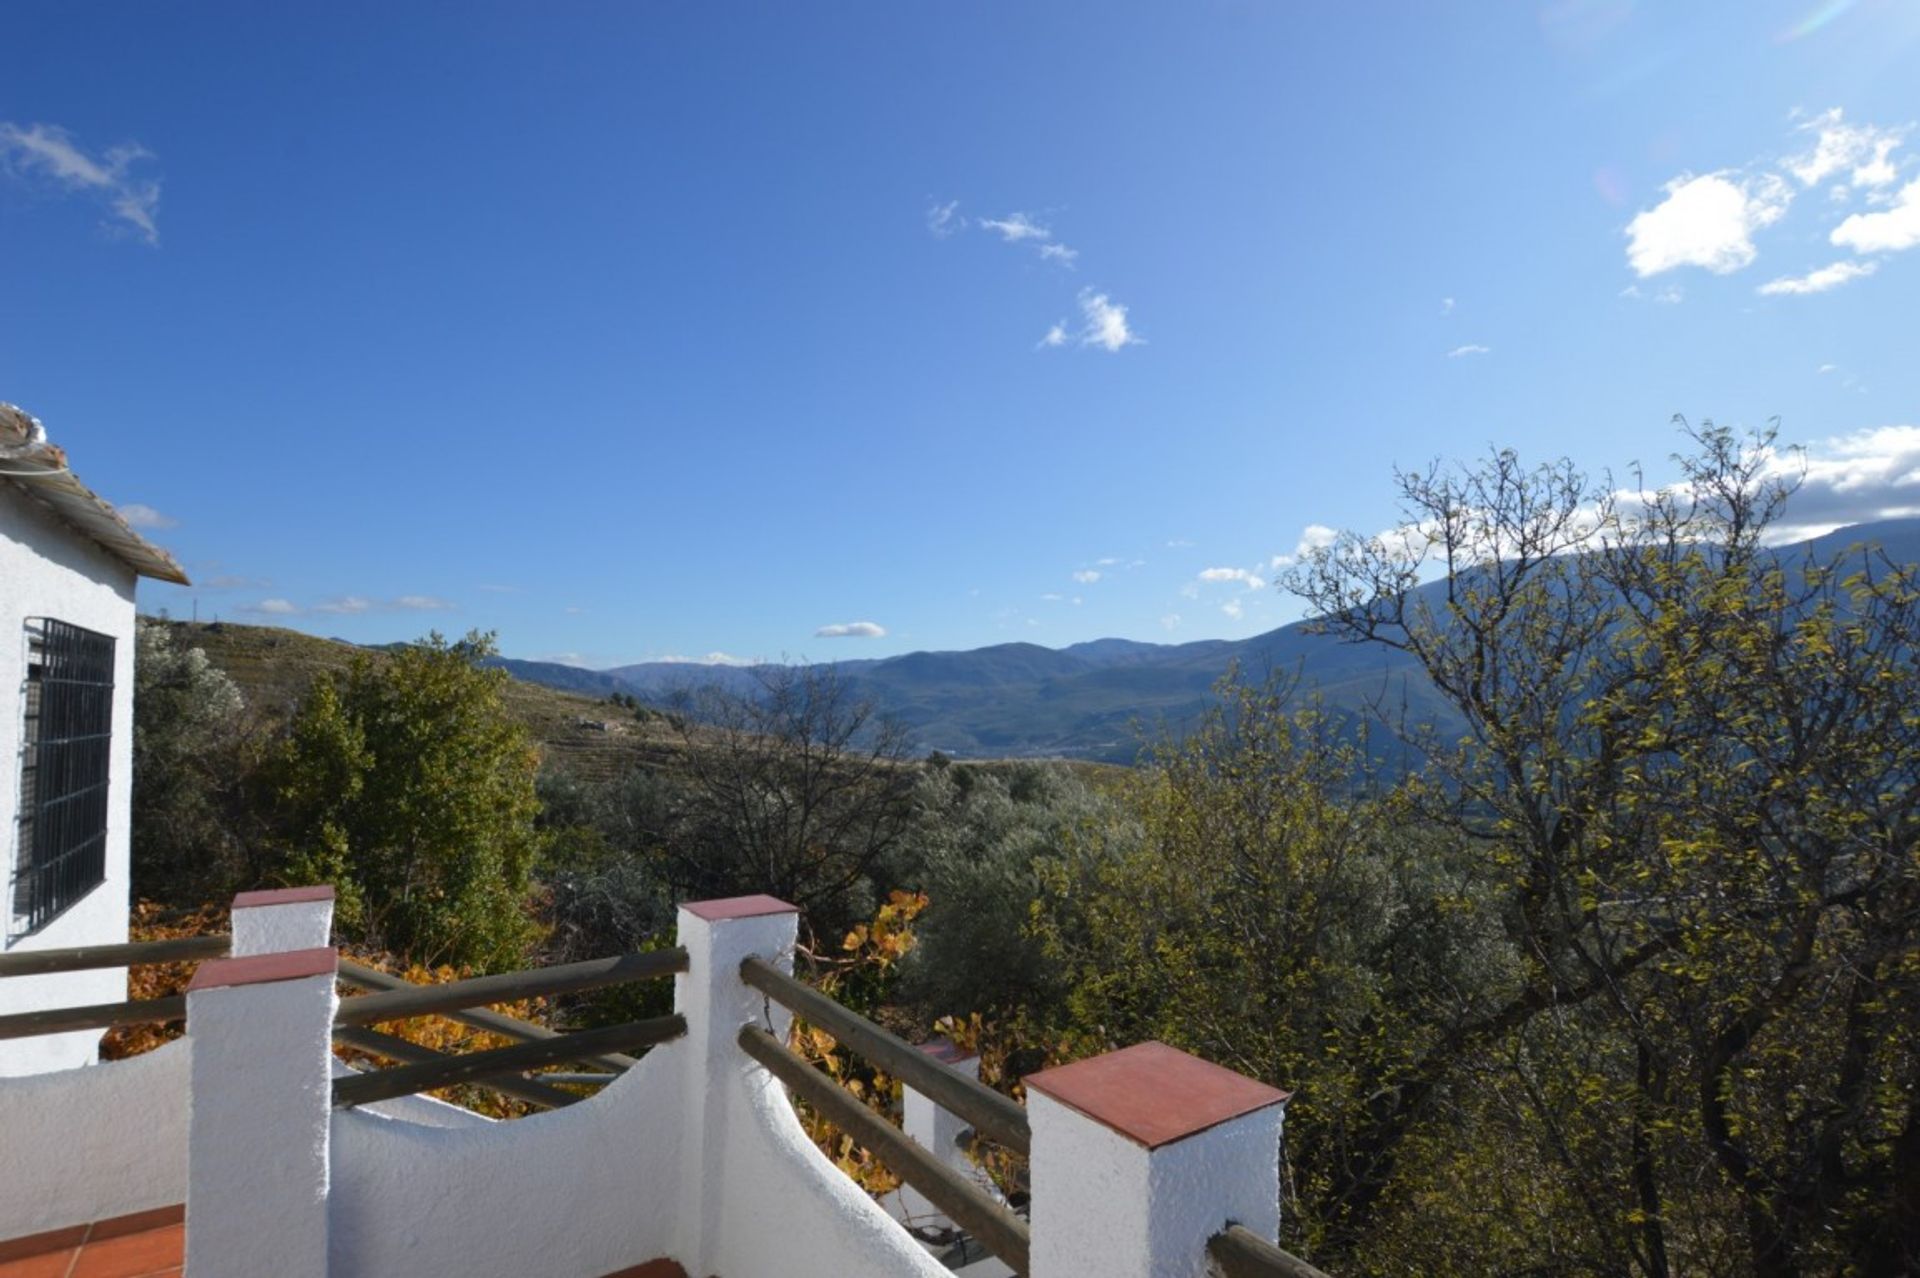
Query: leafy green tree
x=192 y=751
x=405 y=783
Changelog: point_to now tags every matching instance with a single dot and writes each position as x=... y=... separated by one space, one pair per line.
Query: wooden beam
x=1241 y=1253
x=62 y=1020
x=405 y=1080
x=399 y=1049
x=372 y=978
x=992 y=1115
x=81 y=958
x=508 y=987
x=999 y=1230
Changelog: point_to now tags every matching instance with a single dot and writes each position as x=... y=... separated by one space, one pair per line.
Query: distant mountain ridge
x=1096 y=700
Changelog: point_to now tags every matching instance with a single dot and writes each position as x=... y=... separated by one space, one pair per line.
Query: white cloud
x=1469 y=349
x=1179 y=543
x=1232 y=608
x=1313 y=537
x=1056 y=336
x=1106 y=325
x=1086 y=576
x=1446 y=306
x=274 y=608
x=851 y=630
x=1053 y=596
x=944 y=219
x=1016 y=227
x=1829 y=368
x=1059 y=253
x=1889 y=231
x=1865 y=150
x=711 y=659
x=346 y=604
x=1170 y=622
x=1706 y=221
x=1827 y=277
x=140 y=515
x=1667 y=295
x=1850 y=479
x=1251 y=580
x=48 y=152
x=421 y=603
x=1107 y=561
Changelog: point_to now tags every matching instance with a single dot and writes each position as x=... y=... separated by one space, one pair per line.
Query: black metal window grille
x=63 y=769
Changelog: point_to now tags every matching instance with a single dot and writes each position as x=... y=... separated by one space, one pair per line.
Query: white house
x=68 y=565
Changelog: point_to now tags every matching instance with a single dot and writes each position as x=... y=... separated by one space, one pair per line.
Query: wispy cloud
x=1087 y=576
x=1017 y=227
x=1827 y=277
x=711 y=659
x=1469 y=349
x=1232 y=608
x=1106 y=323
x=1250 y=579
x=1056 y=336
x=1446 y=306
x=944 y=219
x=47 y=153
x=1170 y=622
x=851 y=630
x=350 y=606
x=1864 y=150
x=1059 y=253
x=141 y=515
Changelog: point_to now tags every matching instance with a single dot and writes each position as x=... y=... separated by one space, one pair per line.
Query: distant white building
x=68 y=566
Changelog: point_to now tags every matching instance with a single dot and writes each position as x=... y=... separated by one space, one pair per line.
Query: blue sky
x=635 y=331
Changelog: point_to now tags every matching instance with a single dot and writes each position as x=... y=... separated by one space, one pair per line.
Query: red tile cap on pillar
x=1154 y=1094
x=283 y=896
x=259 y=969
x=738 y=907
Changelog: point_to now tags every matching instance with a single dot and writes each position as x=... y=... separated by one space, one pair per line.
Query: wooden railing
x=994 y=1116
x=1241 y=1253
x=424 y=1069
x=81 y=958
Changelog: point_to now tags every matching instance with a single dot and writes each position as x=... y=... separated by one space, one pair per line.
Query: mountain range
x=1100 y=699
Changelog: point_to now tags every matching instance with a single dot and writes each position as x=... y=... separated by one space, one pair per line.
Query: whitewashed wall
x=48 y=570
x=93 y=1142
x=695 y=1155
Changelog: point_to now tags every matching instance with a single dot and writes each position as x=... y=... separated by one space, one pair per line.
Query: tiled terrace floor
x=148 y=1244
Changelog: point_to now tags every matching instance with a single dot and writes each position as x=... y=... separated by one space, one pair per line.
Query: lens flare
x=1824 y=15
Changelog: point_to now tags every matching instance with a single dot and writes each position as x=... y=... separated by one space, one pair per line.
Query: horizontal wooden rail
x=998 y=1230
x=372 y=978
x=81 y=958
x=1241 y=1253
x=992 y=1115
x=62 y=1020
x=362 y=1089
x=399 y=1049
x=508 y=987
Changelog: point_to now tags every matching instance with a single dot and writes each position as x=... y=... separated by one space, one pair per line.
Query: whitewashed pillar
x=717 y=935
x=261 y=1029
x=1140 y=1156
x=939 y=1131
x=283 y=919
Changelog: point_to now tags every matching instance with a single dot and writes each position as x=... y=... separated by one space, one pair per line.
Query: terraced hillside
x=584 y=734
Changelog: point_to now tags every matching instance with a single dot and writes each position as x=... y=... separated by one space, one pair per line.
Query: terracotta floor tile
x=48 y=1264
x=133 y=1255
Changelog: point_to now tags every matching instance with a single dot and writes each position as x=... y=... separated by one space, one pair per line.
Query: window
x=63 y=769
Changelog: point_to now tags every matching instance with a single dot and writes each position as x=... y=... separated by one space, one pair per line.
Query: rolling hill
x=1096 y=700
